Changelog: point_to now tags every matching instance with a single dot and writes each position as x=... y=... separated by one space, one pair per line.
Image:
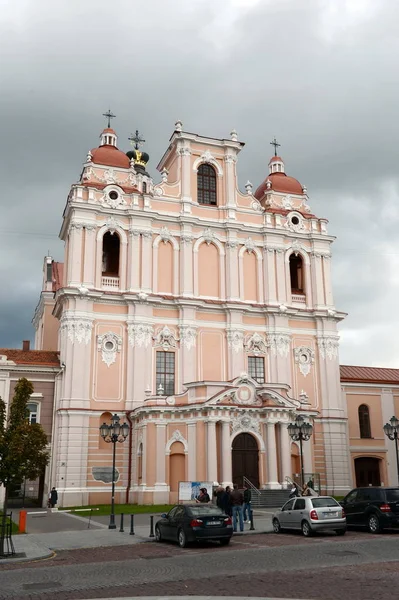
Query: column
x=269 y=270
x=89 y=265
x=160 y=466
x=327 y=280
x=212 y=459
x=285 y=451
x=133 y=267
x=192 y=450
x=75 y=254
x=146 y=261
x=317 y=281
x=281 y=277
x=232 y=292
x=272 y=475
x=227 y=471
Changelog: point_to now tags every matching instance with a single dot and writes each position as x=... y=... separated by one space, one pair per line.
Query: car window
x=324 y=502
x=195 y=511
x=172 y=512
x=393 y=495
x=179 y=512
x=351 y=497
x=288 y=505
x=299 y=504
x=368 y=495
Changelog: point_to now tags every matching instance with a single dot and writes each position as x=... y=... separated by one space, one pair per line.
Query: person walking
x=219 y=493
x=53 y=497
x=237 y=501
x=246 y=515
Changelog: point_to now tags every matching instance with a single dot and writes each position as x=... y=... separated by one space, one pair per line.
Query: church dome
x=278 y=180
x=107 y=153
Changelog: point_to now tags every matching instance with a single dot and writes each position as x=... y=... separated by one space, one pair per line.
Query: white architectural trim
x=208 y=158
x=176 y=436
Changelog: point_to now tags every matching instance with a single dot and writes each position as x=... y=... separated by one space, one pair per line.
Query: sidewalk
x=44 y=529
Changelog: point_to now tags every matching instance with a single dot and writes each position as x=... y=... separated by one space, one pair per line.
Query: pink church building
x=204 y=316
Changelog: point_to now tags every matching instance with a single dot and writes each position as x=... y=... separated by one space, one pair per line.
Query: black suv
x=372 y=507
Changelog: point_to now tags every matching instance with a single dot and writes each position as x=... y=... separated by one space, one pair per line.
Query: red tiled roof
x=280 y=182
x=48 y=358
x=110 y=156
x=369 y=374
x=58 y=273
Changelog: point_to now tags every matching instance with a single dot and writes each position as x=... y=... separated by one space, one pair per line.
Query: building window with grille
x=364 y=421
x=33 y=412
x=256 y=368
x=206 y=185
x=165 y=373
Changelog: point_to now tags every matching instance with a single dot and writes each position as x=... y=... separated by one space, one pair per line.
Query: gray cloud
x=321 y=76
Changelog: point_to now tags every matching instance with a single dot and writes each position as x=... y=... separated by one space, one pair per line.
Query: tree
x=23 y=446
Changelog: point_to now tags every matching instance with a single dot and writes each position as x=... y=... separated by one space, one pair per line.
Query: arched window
x=296 y=274
x=364 y=421
x=206 y=185
x=111 y=249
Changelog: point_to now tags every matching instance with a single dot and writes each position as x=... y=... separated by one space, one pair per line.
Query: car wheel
x=158 y=534
x=306 y=529
x=276 y=526
x=182 y=539
x=340 y=531
x=224 y=541
x=374 y=524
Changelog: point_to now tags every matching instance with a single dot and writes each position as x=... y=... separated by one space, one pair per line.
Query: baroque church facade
x=202 y=315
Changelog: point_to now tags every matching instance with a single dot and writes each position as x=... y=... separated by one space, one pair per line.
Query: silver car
x=311 y=514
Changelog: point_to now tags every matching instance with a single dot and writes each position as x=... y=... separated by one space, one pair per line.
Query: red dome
x=110 y=156
x=280 y=183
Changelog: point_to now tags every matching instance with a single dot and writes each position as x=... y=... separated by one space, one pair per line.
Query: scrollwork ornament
x=188 y=336
x=78 y=330
x=109 y=344
x=166 y=338
x=304 y=358
x=235 y=339
x=279 y=343
x=328 y=347
x=140 y=334
x=256 y=344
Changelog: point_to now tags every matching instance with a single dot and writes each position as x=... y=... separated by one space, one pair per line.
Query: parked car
x=193 y=523
x=311 y=514
x=373 y=507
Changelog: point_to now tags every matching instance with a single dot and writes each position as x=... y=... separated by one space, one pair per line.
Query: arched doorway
x=245 y=458
x=367 y=470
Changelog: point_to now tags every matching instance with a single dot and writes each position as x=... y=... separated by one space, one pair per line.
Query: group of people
x=235 y=503
x=306 y=490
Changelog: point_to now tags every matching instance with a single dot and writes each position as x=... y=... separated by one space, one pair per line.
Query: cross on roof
x=108 y=115
x=275 y=143
x=136 y=140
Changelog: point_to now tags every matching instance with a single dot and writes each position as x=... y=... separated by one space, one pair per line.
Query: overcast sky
x=321 y=75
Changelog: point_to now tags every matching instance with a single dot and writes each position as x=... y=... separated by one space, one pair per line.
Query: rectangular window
x=166 y=372
x=32 y=408
x=256 y=368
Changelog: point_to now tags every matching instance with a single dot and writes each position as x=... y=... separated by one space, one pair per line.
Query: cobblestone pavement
x=285 y=566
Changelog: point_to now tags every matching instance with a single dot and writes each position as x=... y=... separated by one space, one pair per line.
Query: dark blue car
x=193 y=523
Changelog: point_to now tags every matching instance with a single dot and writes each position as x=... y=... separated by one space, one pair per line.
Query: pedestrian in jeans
x=247 y=504
x=237 y=501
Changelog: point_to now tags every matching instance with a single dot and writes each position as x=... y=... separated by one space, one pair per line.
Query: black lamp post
x=300 y=431
x=111 y=434
x=391 y=430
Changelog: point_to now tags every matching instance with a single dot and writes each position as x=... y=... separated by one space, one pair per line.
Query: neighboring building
x=205 y=316
x=41 y=367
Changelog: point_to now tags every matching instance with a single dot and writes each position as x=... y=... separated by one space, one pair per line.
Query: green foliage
x=127 y=509
x=23 y=446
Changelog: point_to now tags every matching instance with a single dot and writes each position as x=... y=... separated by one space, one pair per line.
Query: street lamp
x=300 y=431
x=391 y=430
x=116 y=432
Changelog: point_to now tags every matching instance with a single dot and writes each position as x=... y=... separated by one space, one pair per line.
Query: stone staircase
x=269 y=498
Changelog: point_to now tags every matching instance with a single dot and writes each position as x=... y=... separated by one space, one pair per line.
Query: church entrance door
x=245 y=458
x=367 y=471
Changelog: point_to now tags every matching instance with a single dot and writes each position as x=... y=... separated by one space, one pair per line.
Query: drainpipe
x=129 y=474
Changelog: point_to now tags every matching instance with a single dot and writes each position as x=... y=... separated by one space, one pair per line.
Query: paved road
x=323 y=568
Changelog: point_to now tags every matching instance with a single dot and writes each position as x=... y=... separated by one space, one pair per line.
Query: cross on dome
x=275 y=143
x=109 y=115
x=136 y=140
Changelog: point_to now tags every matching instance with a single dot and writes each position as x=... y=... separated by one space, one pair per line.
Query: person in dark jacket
x=53 y=497
x=247 y=504
x=237 y=500
x=226 y=503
